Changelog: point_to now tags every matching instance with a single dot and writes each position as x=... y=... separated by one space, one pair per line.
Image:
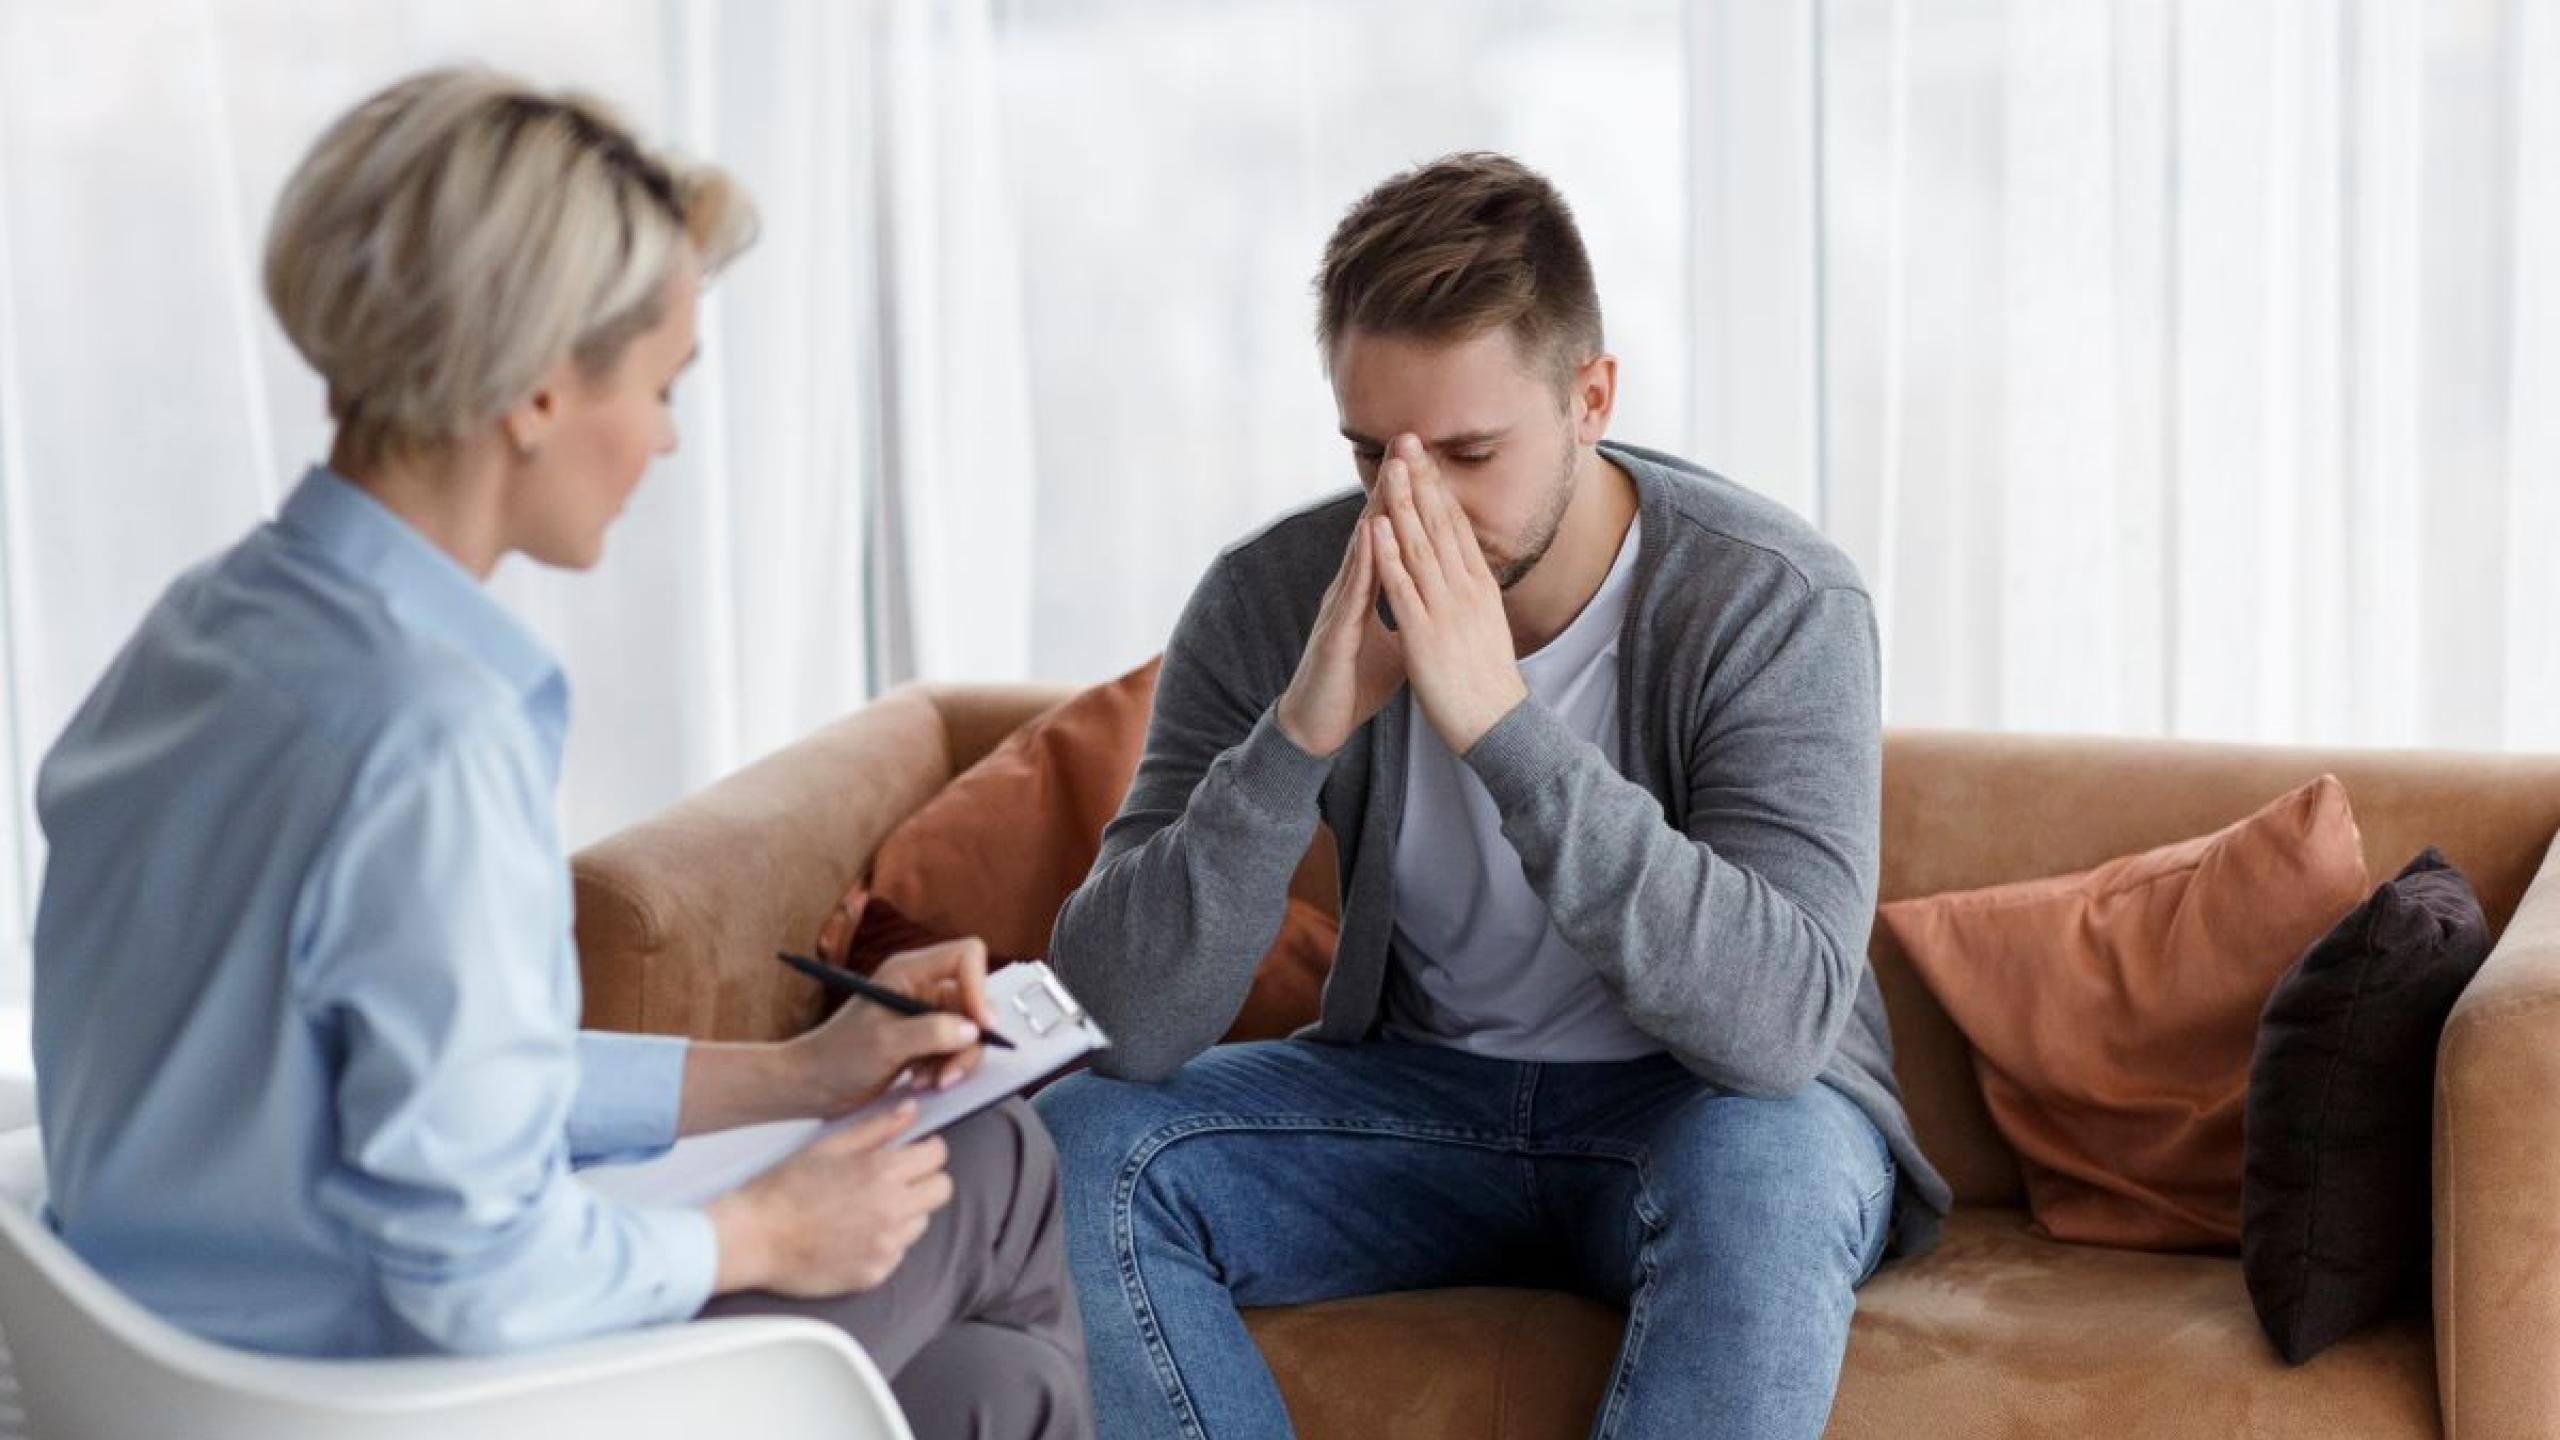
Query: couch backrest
x=1963 y=810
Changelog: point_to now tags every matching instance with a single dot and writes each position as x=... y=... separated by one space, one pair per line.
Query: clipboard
x=1050 y=1031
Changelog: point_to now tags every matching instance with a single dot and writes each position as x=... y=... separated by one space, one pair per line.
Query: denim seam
x=1524 y=1122
x=1123 y=1232
x=1870 y=1222
x=1639 y=1298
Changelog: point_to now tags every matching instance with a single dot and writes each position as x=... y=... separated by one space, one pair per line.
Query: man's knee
x=1099 y=1123
x=1118 y=1162
x=1801 y=1177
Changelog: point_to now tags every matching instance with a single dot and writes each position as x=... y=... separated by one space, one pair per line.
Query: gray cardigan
x=1723 y=885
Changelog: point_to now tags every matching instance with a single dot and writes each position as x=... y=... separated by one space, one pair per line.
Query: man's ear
x=1595 y=398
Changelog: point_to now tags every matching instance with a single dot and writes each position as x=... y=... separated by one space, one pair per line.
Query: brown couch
x=1998 y=1333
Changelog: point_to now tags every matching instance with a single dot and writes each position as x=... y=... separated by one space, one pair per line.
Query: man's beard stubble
x=1542 y=535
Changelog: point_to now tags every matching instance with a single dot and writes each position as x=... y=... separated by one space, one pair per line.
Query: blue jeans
x=1735 y=1231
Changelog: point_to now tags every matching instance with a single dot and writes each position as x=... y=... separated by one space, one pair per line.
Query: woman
x=305 y=989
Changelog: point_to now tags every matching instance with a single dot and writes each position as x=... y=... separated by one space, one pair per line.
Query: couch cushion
x=2002 y=1333
x=2111 y=1013
x=1441 y=1363
x=2334 y=1226
x=997 y=851
x=1998 y=1333
x=1001 y=847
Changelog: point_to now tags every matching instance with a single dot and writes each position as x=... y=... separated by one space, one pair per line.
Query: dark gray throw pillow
x=2334 y=1221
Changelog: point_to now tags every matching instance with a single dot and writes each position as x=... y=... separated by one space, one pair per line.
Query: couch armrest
x=679 y=915
x=2497 y=1184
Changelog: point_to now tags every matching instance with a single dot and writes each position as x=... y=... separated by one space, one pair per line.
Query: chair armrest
x=92 y=1361
x=678 y=916
x=801 y=1379
x=2497 y=1184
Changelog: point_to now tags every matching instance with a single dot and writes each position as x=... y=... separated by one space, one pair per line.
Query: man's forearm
x=1161 y=941
x=1745 y=983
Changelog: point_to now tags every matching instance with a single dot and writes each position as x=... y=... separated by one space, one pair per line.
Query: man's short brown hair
x=1457 y=247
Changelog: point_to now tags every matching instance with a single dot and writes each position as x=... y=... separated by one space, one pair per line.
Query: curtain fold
x=957 y=469
x=2169 y=367
x=151 y=413
x=2186 y=364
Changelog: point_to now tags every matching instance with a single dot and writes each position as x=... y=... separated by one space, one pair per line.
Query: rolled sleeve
x=688 y=1251
x=630 y=1090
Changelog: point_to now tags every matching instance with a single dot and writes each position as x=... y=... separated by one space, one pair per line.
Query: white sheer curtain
x=150 y=412
x=2183 y=368
x=1175 y=168
x=2169 y=366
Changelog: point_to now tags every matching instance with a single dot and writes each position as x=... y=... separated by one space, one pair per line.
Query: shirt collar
x=425 y=587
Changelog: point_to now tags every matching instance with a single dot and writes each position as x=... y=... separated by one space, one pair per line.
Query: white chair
x=93 y=1365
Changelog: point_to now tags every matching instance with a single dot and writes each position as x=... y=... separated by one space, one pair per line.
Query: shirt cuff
x=1523 y=751
x=689 y=1249
x=630 y=1089
x=1270 y=771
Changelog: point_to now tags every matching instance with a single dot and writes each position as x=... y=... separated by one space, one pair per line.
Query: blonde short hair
x=447 y=242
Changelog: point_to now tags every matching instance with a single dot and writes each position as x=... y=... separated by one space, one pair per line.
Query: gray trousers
x=978 y=1329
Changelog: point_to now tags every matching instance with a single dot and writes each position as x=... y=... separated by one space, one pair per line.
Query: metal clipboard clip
x=1045 y=1006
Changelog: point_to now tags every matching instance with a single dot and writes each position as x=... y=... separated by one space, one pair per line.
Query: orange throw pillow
x=999 y=850
x=2113 y=1012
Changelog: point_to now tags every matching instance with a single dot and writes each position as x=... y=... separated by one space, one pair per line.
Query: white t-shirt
x=1479 y=965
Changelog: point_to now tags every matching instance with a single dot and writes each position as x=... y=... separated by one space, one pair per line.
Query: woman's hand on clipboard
x=856 y=1053
x=836 y=1218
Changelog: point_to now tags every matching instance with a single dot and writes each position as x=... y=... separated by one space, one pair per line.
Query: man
x=1606 y=798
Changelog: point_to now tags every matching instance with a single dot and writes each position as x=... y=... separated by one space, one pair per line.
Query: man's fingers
x=1364 y=577
x=1377 y=624
x=1452 y=531
x=1444 y=520
x=1333 y=590
x=1353 y=586
x=1409 y=448
x=1443 y=523
x=1413 y=541
x=1358 y=590
x=1392 y=575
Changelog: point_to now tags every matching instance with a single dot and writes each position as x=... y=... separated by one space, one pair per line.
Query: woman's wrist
x=745 y=1250
x=798 y=1078
x=727 y=1084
